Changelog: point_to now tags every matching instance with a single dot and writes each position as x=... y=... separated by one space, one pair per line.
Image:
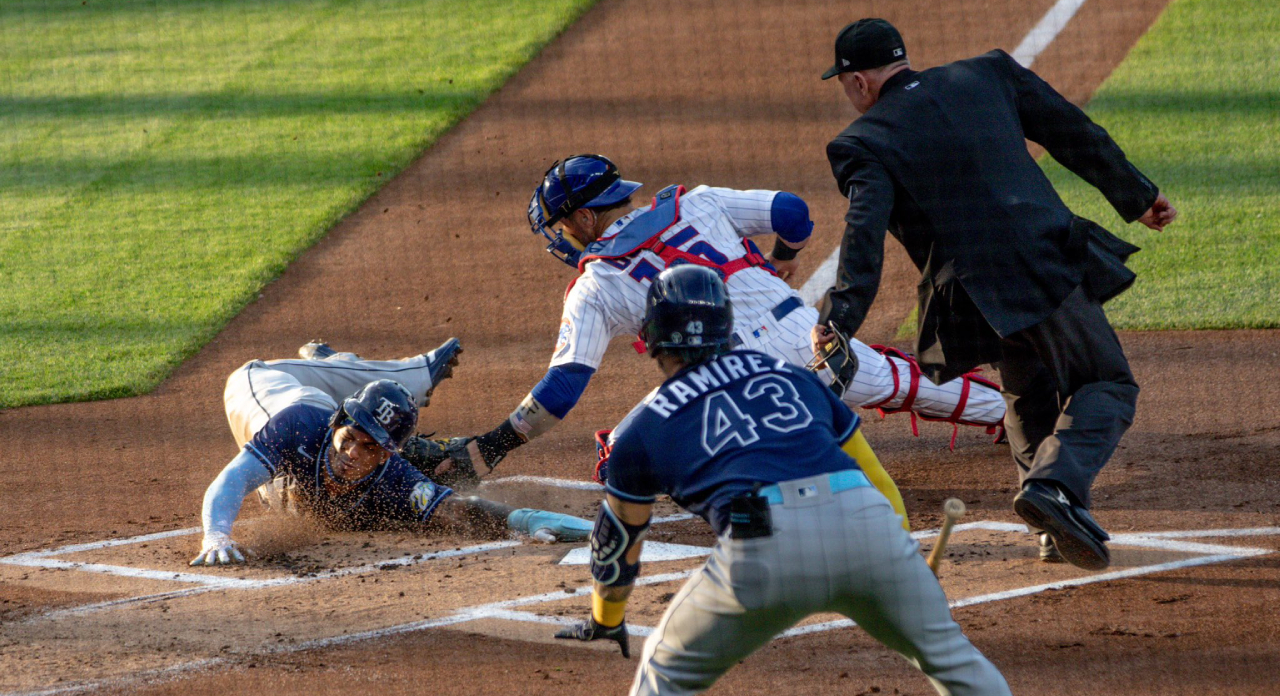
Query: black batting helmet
x=687 y=309
x=384 y=410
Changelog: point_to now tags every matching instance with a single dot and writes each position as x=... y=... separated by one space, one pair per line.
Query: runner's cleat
x=441 y=361
x=316 y=350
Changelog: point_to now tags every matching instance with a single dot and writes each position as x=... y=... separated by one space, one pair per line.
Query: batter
x=770 y=458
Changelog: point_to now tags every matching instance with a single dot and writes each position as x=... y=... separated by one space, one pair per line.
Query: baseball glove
x=427 y=454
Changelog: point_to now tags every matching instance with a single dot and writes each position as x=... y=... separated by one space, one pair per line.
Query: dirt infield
x=714 y=92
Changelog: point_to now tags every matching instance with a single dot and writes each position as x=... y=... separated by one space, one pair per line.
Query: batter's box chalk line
x=510 y=609
x=1201 y=553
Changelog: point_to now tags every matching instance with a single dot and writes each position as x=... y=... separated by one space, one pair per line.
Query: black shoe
x=442 y=360
x=316 y=350
x=1079 y=539
x=1048 y=550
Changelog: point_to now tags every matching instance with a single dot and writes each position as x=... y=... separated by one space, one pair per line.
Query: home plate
x=653 y=552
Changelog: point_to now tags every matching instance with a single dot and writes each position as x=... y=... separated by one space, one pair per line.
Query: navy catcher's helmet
x=687 y=309
x=580 y=181
x=384 y=410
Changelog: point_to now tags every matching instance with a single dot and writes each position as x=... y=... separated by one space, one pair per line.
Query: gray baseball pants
x=260 y=389
x=845 y=553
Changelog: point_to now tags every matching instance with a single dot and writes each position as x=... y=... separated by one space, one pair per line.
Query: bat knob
x=953 y=508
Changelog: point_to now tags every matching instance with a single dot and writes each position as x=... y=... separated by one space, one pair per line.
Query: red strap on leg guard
x=955 y=419
x=890 y=353
x=603 y=449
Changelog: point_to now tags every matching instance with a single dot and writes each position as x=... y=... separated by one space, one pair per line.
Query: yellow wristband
x=606 y=613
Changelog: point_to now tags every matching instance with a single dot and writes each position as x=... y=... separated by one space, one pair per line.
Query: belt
x=839 y=480
x=779 y=311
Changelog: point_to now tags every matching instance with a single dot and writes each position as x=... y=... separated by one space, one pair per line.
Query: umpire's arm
x=1079 y=144
x=865 y=182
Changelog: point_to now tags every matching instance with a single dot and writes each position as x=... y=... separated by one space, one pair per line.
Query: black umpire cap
x=867 y=43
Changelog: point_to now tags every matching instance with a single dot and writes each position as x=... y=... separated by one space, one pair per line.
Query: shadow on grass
x=237 y=104
x=1257 y=102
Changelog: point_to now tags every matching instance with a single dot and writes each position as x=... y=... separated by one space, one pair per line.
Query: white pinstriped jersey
x=608 y=299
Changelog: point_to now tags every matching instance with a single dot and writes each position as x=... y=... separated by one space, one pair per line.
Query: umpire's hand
x=1160 y=214
x=591 y=630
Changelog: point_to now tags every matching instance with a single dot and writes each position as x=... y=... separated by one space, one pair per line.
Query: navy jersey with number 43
x=718 y=429
x=296 y=442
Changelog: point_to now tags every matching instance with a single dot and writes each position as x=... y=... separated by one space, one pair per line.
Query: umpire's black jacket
x=940 y=161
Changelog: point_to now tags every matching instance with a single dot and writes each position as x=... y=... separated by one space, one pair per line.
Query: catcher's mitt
x=426 y=454
x=839 y=358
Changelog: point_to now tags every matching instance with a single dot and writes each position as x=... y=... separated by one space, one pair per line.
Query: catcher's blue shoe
x=442 y=360
x=316 y=350
x=549 y=527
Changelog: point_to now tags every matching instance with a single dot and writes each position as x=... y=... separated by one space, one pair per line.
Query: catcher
x=339 y=462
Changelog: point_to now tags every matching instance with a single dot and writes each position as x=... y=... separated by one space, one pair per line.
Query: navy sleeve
x=276 y=444
x=630 y=471
x=560 y=389
x=843 y=420
x=789 y=217
x=406 y=495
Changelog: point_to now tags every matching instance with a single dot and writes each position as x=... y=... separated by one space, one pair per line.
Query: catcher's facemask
x=839 y=359
x=558 y=246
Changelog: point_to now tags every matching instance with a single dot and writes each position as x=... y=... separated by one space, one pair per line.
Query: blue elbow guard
x=790 y=217
x=560 y=389
x=610 y=541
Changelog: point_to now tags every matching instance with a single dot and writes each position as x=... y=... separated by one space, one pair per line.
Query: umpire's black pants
x=1070 y=395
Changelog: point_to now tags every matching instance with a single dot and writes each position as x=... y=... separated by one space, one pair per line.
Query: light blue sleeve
x=223 y=498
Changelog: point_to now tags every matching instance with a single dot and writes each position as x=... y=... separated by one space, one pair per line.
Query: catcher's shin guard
x=966 y=400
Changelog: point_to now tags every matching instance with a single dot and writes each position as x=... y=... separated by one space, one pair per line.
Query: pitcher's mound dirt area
x=716 y=92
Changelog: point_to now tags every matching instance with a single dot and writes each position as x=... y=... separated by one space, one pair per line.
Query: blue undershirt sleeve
x=790 y=217
x=223 y=498
x=560 y=389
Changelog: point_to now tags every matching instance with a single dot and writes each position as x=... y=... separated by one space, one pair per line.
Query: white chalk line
x=1036 y=40
x=40 y=559
x=1045 y=31
x=503 y=609
x=549 y=481
x=234 y=584
x=1036 y=589
x=91 y=546
x=208 y=582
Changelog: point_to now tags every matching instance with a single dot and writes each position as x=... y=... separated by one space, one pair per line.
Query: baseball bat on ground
x=953 y=509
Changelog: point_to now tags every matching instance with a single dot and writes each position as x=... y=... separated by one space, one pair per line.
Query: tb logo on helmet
x=386 y=411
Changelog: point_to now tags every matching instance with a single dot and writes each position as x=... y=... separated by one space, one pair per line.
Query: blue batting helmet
x=687 y=309
x=580 y=181
x=384 y=410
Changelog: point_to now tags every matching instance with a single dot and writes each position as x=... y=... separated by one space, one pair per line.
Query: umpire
x=1009 y=274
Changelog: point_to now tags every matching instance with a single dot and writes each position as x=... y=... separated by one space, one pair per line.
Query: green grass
x=1196 y=106
x=161 y=161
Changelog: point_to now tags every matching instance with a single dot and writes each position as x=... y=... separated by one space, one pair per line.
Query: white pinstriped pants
x=873 y=384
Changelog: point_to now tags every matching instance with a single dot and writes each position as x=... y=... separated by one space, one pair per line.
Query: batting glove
x=219 y=549
x=589 y=630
